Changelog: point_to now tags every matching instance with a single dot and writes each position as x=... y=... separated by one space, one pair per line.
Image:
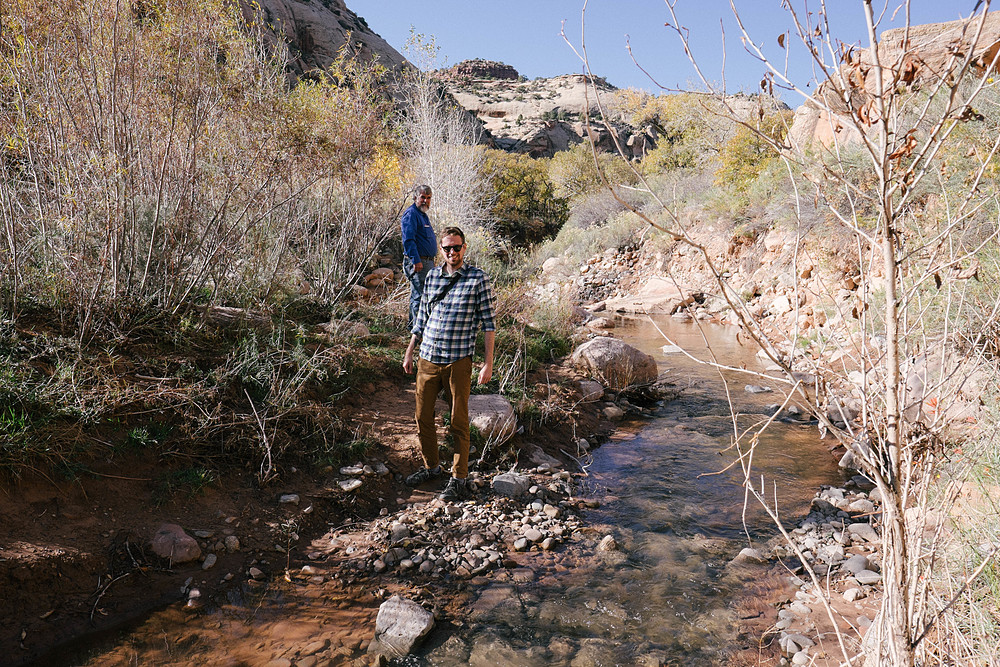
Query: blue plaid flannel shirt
x=448 y=327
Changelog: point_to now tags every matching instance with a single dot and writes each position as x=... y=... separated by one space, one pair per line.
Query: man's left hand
x=485 y=374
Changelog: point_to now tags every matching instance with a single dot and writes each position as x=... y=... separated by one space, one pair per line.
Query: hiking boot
x=456 y=490
x=423 y=475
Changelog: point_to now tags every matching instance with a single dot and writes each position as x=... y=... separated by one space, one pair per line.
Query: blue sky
x=525 y=34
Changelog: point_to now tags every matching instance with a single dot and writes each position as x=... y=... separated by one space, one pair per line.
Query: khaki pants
x=430 y=378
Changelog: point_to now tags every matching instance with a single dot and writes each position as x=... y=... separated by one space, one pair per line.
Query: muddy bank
x=75 y=558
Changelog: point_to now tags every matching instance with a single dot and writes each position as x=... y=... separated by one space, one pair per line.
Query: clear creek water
x=669 y=596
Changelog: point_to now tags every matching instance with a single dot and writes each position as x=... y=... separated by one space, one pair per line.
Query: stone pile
x=442 y=540
x=599 y=278
x=842 y=546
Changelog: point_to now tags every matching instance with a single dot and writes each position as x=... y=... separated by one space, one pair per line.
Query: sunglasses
x=452 y=248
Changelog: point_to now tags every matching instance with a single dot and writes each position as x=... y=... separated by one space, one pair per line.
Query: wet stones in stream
x=841 y=545
x=531 y=511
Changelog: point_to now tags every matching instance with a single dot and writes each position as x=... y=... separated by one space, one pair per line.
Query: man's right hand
x=408 y=362
x=418 y=267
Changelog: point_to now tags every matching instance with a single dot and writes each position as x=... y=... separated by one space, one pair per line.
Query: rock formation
x=539 y=117
x=315 y=30
x=910 y=57
x=478 y=68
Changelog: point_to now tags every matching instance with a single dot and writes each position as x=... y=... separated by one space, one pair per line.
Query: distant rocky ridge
x=479 y=69
x=539 y=117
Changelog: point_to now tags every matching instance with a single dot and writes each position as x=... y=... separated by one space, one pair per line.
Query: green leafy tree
x=525 y=206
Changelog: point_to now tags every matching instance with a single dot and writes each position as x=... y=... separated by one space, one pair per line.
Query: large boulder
x=493 y=415
x=615 y=363
x=173 y=544
x=399 y=627
x=657 y=295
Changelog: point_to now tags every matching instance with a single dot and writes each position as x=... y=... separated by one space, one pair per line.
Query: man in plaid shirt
x=455 y=304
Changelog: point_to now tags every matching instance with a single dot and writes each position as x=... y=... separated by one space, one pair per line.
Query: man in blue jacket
x=419 y=246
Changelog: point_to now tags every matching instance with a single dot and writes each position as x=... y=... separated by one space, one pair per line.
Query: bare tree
x=441 y=143
x=903 y=371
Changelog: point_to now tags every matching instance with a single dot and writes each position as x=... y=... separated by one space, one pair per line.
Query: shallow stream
x=669 y=594
x=672 y=598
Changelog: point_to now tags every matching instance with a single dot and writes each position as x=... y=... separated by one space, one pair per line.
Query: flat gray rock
x=856 y=563
x=868 y=577
x=863 y=531
x=511 y=484
x=399 y=627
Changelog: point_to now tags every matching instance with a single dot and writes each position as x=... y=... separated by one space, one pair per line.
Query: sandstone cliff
x=315 y=30
x=913 y=57
x=539 y=117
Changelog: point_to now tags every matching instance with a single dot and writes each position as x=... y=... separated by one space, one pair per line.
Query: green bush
x=574 y=172
x=525 y=205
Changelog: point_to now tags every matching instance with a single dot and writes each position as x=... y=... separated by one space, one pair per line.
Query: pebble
x=289 y=499
x=210 y=561
x=349 y=484
x=232 y=544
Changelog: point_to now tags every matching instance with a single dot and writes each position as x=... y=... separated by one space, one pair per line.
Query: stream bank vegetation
x=179 y=216
x=897 y=201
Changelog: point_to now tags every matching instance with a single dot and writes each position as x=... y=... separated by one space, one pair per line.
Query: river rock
x=349 y=484
x=863 y=531
x=210 y=561
x=493 y=415
x=398 y=532
x=399 y=627
x=615 y=363
x=867 y=577
x=511 y=484
x=607 y=544
x=856 y=564
x=862 y=506
x=613 y=413
x=533 y=535
x=750 y=556
x=591 y=390
x=852 y=594
x=172 y=543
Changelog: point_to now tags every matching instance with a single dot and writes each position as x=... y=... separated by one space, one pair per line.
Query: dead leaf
x=906 y=149
x=937 y=280
x=781 y=40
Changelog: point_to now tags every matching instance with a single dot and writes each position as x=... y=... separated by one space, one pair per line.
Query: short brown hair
x=453 y=231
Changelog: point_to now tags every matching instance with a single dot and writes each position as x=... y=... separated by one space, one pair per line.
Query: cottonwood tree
x=439 y=139
x=903 y=372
